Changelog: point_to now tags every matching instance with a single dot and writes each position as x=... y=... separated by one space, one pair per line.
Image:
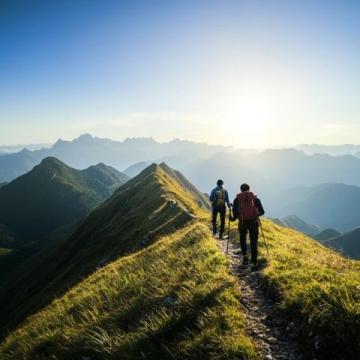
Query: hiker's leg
x=243 y=232
x=214 y=216
x=254 y=234
x=222 y=221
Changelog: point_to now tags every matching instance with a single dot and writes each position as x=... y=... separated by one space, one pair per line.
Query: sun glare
x=247 y=120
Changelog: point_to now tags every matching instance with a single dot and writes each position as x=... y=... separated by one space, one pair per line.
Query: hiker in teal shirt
x=219 y=198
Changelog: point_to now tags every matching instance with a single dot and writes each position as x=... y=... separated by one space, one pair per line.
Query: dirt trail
x=273 y=335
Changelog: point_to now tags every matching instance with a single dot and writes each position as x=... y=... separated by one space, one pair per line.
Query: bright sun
x=246 y=120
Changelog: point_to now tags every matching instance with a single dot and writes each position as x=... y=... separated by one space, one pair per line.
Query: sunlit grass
x=318 y=288
x=173 y=300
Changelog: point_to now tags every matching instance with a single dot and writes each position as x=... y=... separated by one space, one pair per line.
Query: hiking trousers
x=215 y=212
x=251 y=227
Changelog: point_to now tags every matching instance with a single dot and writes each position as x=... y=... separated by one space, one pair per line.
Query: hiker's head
x=244 y=187
x=219 y=183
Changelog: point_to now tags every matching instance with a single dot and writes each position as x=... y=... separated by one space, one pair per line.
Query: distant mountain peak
x=51 y=160
x=59 y=142
x=142 y=140
x=59 y=196
x=101 y=165
x=136 y=168
x=84 y=139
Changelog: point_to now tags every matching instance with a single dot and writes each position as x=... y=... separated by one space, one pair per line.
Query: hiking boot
x=220 y=236
x=245 y=260
x=254 y=267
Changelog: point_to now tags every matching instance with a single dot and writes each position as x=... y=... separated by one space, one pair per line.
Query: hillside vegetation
x=142 y=277
x=319 y=290
x=38 y=208
x=173 y=300
x=156 y=202
x=53 y=195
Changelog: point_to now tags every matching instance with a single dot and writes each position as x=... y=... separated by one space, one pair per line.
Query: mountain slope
x=6 y=239
x=319 y=291
x=14 y=165
x=53 y=195
x=296 y=223
x=326 y=235
x=172 y=300
x=348 y=243
x=328 y=205
x=175 y=300
x=158 y=201
x=136 y=168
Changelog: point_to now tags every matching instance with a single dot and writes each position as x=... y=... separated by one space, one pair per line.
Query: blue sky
x=246 y=73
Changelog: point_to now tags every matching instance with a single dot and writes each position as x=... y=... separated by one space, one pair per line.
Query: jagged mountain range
x=335 y=150
x=266 y=170
x=87 y=150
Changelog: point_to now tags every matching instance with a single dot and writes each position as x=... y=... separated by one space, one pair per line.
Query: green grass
x=173 y=300
x=53 y=195
x=153 y=204
x=318 y=288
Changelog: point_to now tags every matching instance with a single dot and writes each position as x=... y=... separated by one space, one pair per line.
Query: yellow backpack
x=220 y=198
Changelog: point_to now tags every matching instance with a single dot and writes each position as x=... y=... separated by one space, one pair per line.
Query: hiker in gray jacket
x=219 y=198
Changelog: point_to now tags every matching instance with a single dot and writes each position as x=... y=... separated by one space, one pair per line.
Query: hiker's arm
x=212 y=196
x=235 y=213
x=227 y=199
x=259 y=206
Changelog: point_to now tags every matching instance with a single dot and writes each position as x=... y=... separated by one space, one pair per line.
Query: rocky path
x=274 y=336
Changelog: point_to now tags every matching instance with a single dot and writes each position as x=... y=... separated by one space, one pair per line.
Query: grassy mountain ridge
x=318 y=288
x=160 y=302
x=38 y=208
x=156 y=202
x=173 y=300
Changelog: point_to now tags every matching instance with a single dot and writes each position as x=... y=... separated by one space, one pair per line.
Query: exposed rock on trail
x=274 y=336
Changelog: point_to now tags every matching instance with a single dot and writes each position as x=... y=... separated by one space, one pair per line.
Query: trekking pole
x=227 y=240
x=262 y=234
